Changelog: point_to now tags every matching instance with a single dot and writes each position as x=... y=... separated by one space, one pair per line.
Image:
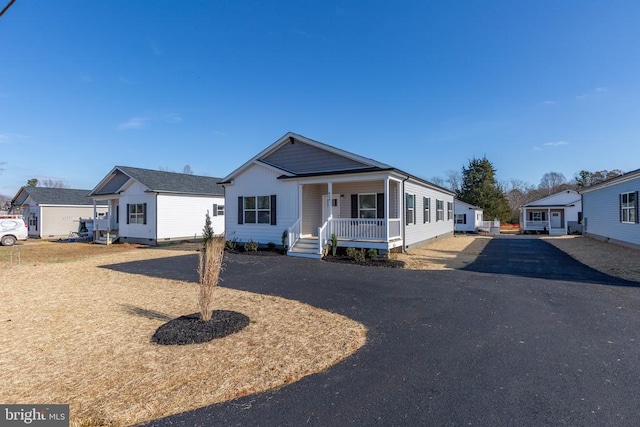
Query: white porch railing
x=294 y=234
x=102 y=223
x=323 y=237
x=359 y=229
x=536 y=225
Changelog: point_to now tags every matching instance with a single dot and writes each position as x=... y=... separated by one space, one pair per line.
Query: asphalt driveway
x=502 y=343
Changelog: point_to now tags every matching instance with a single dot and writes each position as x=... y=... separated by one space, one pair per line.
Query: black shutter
x=464 y=218
x=117 y=214
x=406 y=209
x=380 y=206
x=424 y=210
x=273 y=210
x=215 y=210
x=144 y=214
x=128 y=213
x=637 y=204
x=620 y=207
x=240 y=211
x=354 y=206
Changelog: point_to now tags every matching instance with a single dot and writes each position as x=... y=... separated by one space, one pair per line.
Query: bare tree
x=552 y=182
x=453 y=180
x=187 y=170
x=54 y=183
x=437 y=180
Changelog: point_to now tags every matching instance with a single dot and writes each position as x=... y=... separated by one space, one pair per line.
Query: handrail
x=294 y=233
x=323 y=237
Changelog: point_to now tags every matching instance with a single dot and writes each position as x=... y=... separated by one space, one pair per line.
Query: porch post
x=329 y=207
x=386 y=209
x=300 y=206
x=549 y=220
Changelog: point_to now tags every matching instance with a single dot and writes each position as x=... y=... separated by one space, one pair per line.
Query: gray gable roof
x=160 y=182
x=54 y=196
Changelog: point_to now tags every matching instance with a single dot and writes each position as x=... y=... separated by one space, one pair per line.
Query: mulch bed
x=190 y=329
x=377 y=262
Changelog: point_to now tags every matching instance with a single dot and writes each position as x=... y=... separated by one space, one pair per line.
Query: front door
x=556 y=220
x=335 y=206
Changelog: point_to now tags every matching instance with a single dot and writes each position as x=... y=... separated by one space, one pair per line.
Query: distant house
x=310 y=191
x=468 y=218
x=54 y=212
x=559 y=213
x=153 y=207
x=611 y=210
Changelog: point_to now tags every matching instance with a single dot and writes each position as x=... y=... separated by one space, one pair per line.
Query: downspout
x=404 y=214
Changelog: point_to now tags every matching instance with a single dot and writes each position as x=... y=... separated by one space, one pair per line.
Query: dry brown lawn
x=450 y=253
x=73 y=332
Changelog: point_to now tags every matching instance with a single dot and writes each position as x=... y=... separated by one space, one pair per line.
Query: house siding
x=59 y=221
x=260 y=181
x=472 y=220
x=183 y=217
x=304 y=158
x=138 y=233
x=348 y=188
x=421 y=232
x=601 y=213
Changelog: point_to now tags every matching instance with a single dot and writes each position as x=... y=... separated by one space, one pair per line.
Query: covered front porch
x=544 y=220
x=106 y=225
x=356 y=213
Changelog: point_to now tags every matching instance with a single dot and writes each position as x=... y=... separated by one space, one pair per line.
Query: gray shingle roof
x=55 y=196
x=172 y=182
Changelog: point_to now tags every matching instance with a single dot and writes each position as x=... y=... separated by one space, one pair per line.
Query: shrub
x=231 y=244
x=356 y=254
x=271 y=246
x=283 y=239
x=209 y=267
x=251 y=246
x=334 y=244
x=372 y=253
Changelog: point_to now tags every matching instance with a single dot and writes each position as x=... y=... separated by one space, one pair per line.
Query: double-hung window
x=367 y=205
x=427 y=211
x=449 y=211
x=439 y=210
x=257 y=210
x=137 y=213
x=410 y=209
x=629 y=207
x=218 y=210
x=461 y=219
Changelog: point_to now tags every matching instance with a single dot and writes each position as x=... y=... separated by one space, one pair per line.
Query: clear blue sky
x=425 y=86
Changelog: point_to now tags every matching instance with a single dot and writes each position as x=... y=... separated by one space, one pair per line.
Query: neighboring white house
x=559 y=213
x=153 y=207
x=54 y=212
x=611 y=210
x=309 y=190
x=468 y=218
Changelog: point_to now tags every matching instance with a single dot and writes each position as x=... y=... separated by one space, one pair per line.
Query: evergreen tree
x=479 y=187
x=207 y=231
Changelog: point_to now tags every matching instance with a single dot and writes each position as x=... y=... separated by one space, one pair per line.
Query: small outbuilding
x=55 y=212
x=468 y=218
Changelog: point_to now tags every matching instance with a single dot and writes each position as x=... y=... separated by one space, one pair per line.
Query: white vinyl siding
x=423 y=232
x=601 y=213
x=187 y=222
x=260 y=180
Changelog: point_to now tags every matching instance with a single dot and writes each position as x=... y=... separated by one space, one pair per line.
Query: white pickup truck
x=12 y=228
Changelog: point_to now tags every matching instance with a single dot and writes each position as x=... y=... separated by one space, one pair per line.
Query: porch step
x=102 y=239
x=306 y=248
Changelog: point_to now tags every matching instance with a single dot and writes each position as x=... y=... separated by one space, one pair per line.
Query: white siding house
x=309 y=191
x=54 y=212
x=154 y=207
x=559 y=213
x=468 y=218
x=611 y=210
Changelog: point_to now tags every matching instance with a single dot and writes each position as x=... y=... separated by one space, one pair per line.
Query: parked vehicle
x=12 y=228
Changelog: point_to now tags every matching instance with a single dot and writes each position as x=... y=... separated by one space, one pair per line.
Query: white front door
x=555 y=220
x=335 y=206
